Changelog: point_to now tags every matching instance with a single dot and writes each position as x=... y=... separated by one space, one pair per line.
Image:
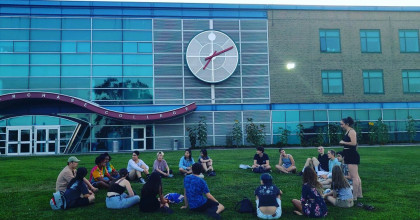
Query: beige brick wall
x=294 y=37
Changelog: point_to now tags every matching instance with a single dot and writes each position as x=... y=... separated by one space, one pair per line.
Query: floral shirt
x=313 y=205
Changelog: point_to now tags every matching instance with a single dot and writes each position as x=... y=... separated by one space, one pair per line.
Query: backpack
x=58 y=201
x=244 y=206
x=174 y=197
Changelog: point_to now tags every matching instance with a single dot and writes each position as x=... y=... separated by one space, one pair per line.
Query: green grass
x=390 y=181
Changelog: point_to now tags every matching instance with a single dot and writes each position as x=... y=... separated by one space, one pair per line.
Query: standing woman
x=351 y=156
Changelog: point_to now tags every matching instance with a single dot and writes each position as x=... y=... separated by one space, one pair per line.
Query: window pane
x=107 y=59
x=80 y=93
x=279 y=116
x=48 y=23
x=320 y=115
x=45 y=71
x=75 y=70
x=137 y=36
x=110 y=82
x=45 y=35
x=76 y=23
x=14 y=70
x=75 y=82
x=376 y=85
x=14 y=22
x=306 y=116
x=144 y=48
x=115 y=47
x=99 y=23
x=14 y=34
x=135 y=94
x=21 y=46
x=138 y=82
x=130 y=47
x=335 y=86
x=44 y=83
x=14 y=83
x=14 y=58
x=107 y=71
x=83 y=47
x=68 y=47
x=45 y=46
x=292 y=116
x=138 y=59
x=76 y=35
x=412 y=45
x=138 y=70
x=45 y=58
x=75 y=58
x=107 y=35
x=137 y=24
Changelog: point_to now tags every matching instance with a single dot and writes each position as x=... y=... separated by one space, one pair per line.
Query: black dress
x=148 y=200
x=350 y=154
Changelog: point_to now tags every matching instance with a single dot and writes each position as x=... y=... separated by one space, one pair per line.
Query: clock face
x=212 y=56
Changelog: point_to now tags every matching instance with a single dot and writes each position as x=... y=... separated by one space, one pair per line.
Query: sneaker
x=300 y=173
x=201 y=176
x=171 y=175
x=142 y=181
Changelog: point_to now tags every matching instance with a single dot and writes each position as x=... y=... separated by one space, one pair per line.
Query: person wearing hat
x=268 y=198
x=68 y=173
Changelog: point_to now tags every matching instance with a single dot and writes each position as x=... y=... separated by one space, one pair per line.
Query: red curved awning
x=93 y=107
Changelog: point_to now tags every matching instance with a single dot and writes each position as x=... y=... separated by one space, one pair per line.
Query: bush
x=255 y=134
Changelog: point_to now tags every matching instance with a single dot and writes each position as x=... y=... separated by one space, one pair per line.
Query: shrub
x=255 y=134
x=202 y=132
x=284 y=136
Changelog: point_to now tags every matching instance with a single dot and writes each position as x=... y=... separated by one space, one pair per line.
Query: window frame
x=320 y=40
x=366 y=40
x=322 y=82
x=405 y=42
x=408 y=78
x=369 y=78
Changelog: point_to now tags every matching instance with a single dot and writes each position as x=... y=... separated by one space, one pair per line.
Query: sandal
x=368 y=207
x=297 y=212
x=359 y=204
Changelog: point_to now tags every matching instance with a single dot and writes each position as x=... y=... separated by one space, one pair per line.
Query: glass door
x=46 y=139
x=138 y=138
x=19 y=140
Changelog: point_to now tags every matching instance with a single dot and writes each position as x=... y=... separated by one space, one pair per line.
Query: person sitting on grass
x=286 y=162
x=160 y=166
x=116 y=198
x=109 y=167
x=206 y=162
x=99 y=176
x=344 y=167
x=320 y=164
x=194 y=188
x=77 y=193
x=311 y=203
x=325 y=177
x=136 y=167
x=68 y=173
x=341 y=194
x=148 y=201
x=261 y=161
x=268 y=198
x=186 y=162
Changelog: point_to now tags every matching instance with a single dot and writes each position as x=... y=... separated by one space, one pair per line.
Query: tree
x=192 y=134
x=255 y=134
x=284 y=136
x=202 y=131
x=411 y=129
x=237 y=133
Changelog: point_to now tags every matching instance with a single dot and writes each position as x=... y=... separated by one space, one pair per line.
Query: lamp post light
x=290 y=65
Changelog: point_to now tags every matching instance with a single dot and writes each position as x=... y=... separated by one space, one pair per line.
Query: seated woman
x=186 y=162
x=136 y=166
x=148 y=201
x=268 y=198
x=341 y=194
x=99 y=177
x=312 y=203
x=286 y=162
x=109 y=168
x=206 y=162
x=116 y=198
x=161 y=166
x=76 y=188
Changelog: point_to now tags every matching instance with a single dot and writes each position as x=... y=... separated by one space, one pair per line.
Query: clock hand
x=218 y=53
x=208 y=61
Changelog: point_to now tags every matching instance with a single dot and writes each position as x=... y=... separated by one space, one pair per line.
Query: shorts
x=265 y=216
x=208 y=205
x=344 y=203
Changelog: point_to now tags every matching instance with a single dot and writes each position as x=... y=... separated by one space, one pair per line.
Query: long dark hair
x=154 y=184
x=189 y=151
x=99 y=159
x=204 y=151
x=338 y=180
x=310 y=178
x=80 y=174
x=107 y=155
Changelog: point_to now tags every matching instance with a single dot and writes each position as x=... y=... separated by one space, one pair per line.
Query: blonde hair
x=160 y=153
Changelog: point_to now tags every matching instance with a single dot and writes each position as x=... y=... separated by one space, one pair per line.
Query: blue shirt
x=73 y=193
x=331 y=164
x=183 y=163
x=344 y=193
x=195 y=188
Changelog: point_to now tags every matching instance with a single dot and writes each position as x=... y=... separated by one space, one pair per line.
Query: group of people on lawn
x=336 y=172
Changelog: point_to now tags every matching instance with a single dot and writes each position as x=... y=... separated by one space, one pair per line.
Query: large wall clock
x=212 y=56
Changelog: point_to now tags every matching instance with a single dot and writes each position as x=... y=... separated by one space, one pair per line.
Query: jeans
x=264 y=216
x=121 y=201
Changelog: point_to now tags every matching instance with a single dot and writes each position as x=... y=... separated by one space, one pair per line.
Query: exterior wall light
x=290 y=66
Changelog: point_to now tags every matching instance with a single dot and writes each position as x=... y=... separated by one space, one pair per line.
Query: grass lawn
x=390 y=182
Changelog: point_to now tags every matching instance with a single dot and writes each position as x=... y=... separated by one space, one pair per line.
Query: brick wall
x=294 y=37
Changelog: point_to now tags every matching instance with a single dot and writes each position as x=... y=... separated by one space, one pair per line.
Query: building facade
x=100 y=76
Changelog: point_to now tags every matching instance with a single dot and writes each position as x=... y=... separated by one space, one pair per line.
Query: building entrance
x=26 y=140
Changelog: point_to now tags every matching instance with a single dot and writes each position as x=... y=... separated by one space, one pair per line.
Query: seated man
x=320 y=164
x=68 y=173
x=286 y=162
x=261 y=161
x=194 y=188
x=325 y=177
